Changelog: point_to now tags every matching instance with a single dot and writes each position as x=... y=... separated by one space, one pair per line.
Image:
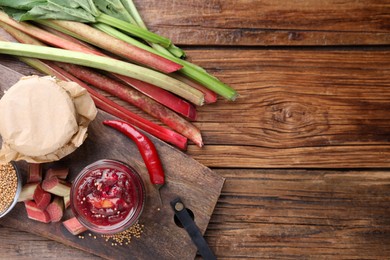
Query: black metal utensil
x=183 y=215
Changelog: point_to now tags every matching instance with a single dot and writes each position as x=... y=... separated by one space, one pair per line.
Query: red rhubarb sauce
x=107 y=196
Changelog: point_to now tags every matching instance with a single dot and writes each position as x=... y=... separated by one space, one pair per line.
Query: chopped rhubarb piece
x=66 y=201
x=56 y=209
x=27 y=192
x=56 y=187
x=33 y=212
x=74 y=226
x=41 y=198
x=60 y=173
x=34 y=172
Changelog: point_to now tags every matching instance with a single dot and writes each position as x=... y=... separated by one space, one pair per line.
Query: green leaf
x=74 y=10
x=86 y=5
x=51 y=11
x=15 y=13
x=21 y=4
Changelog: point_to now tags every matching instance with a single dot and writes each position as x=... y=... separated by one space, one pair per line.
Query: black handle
x=193 y=231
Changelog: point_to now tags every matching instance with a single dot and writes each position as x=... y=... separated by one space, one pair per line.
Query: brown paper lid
x=42 y=119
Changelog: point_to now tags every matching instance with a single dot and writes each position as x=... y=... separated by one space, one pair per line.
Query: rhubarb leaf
x=48 y=11
x=86 y=5
x=16 y=14
x=21 y=4
x=52 y=11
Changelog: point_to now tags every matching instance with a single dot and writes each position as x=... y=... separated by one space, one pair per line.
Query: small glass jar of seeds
x=10 y=187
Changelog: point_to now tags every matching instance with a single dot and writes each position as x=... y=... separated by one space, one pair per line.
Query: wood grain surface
x=298 y=108
x=302 y=214
x=270 y=22
x=304 y=149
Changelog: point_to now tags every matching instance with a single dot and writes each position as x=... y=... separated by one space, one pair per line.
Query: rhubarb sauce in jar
x=107 y=196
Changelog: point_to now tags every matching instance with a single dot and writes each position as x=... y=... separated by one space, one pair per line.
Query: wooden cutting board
x=195 y=184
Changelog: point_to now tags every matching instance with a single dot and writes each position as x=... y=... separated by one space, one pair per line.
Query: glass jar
x=107 y=196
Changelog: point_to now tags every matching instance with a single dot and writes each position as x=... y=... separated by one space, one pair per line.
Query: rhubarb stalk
x=56 y=209
x=132 y=10
x=209 y=96
x=113 y=87
x=104 y=63
x=162 y=96
x=100 y=39
x=190 y=70
x=74 y=226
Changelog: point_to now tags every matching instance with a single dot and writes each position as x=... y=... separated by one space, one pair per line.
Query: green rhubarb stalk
x=115 y=9
x=107 y=64
x=133 y=30
x=176 y=51
x=132 y=10
x=190 y=70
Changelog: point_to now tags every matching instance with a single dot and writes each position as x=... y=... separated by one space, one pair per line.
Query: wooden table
x=305 y=148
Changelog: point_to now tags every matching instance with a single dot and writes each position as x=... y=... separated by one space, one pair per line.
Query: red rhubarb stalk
x=117 y=89
x=41 y=198
x=156 y=130
x=74 y=226
x=34 y=172
x=56 y=209
x=33 y=212
x=60 y=173
x=99 y=39
x=162 y=96
x=56 y=187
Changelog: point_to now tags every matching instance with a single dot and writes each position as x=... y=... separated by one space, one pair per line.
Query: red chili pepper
x=147 y=149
